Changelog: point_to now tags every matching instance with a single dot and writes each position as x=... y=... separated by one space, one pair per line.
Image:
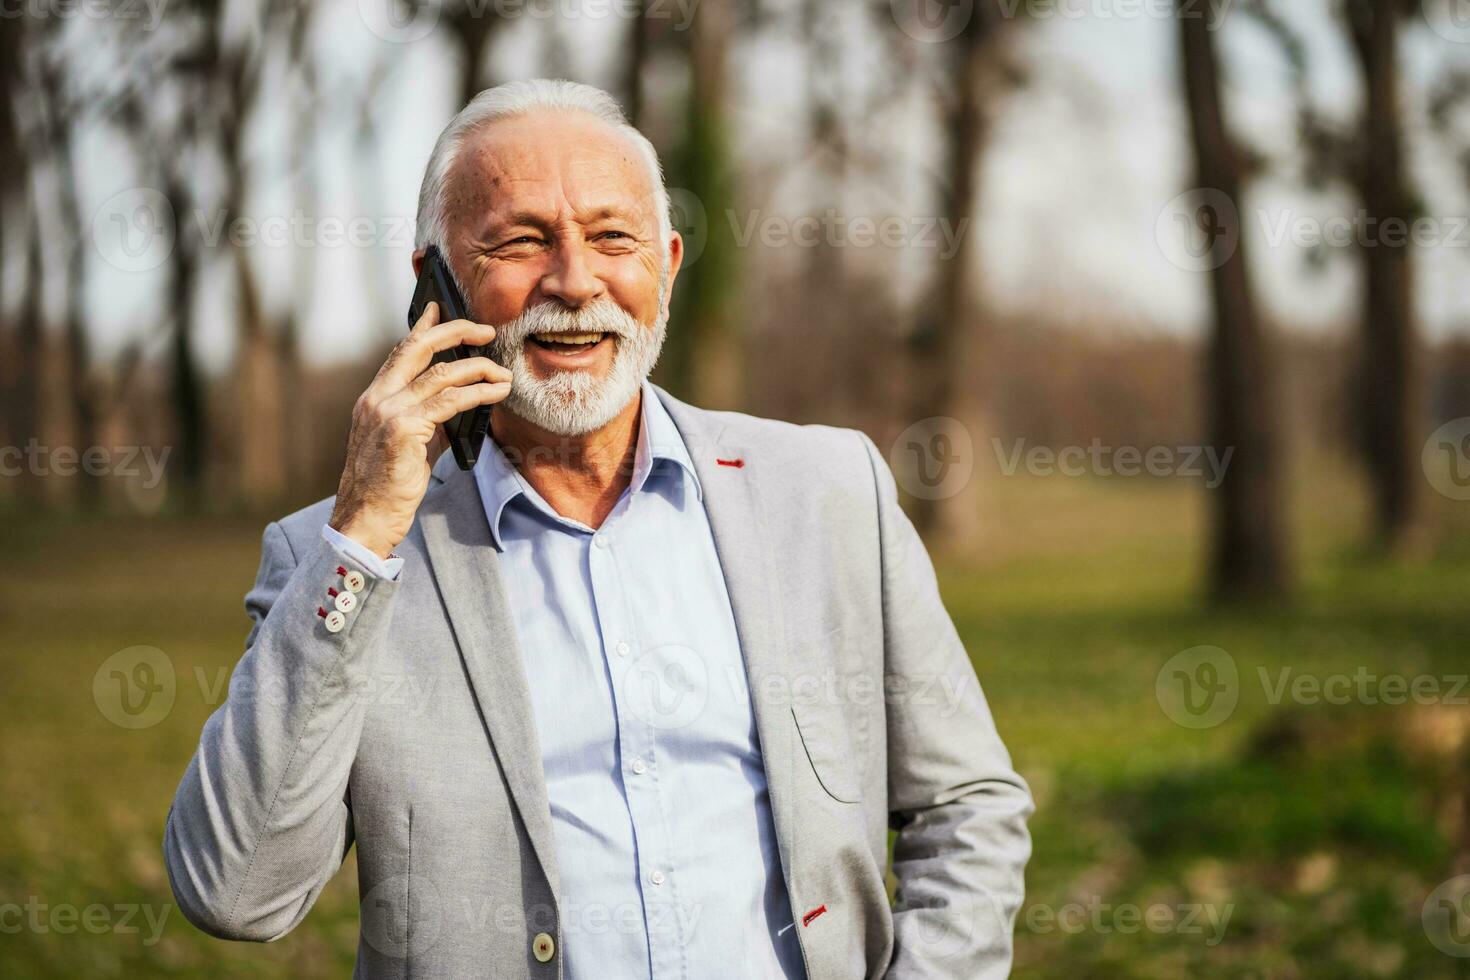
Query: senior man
x=640 y=695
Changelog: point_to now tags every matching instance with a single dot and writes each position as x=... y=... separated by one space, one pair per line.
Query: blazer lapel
x=467 y=569
x=738 y=519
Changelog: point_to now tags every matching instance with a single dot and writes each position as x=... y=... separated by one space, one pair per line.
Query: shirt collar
x=500 y=482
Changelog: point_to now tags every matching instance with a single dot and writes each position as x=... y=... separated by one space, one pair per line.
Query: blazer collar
x=659 y=441
x=668 y=433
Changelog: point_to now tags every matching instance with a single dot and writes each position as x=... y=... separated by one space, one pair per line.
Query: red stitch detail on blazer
x=737 y=463
x=341 y=570
x=321 y=612
x=806 y=920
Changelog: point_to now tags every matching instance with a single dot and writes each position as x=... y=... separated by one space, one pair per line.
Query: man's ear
x=676 y=260
x=418 y=261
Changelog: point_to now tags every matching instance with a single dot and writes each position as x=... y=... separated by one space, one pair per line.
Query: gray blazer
x=409 y=732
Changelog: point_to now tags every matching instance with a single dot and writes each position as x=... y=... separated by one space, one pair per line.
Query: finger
x=428 y=318
x=446 y=374
x=451 y=401
x=413 y=354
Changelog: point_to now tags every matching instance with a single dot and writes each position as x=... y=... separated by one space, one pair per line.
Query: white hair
x=515 y=99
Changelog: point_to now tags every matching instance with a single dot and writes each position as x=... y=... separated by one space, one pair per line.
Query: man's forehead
x=550 y=156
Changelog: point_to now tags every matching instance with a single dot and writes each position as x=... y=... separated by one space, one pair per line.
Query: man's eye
x=614 y=234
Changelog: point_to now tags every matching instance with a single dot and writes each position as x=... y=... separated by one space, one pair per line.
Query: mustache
x=604 y=316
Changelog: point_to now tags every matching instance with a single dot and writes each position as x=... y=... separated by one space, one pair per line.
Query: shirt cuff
x=383 y=568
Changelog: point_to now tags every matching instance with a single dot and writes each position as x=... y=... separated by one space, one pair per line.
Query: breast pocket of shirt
x=829 y=750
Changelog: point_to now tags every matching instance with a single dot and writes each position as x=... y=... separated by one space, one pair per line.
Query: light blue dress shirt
x=665 y=840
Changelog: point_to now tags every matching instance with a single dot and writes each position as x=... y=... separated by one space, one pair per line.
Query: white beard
x=575 y=402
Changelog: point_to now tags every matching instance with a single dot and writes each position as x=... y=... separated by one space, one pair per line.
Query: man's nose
x=570 y=278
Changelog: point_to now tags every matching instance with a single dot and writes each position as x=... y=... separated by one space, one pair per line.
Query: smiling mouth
x=568 y=343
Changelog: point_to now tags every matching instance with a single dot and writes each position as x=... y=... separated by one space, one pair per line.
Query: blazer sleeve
x=262 y=820
x=958 y=806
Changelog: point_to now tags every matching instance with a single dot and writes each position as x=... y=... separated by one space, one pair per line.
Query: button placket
x=637 y=743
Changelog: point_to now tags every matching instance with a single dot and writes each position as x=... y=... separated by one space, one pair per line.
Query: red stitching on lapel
x=737 y=463
x=806 y=920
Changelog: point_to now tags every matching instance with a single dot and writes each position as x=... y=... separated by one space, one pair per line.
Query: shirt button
x=657 y=877
x=346 y=601
x=600 y=540
x=639 y=766
x=543 y=947
x=335 y=621
x=354 y=581
x=623 y=649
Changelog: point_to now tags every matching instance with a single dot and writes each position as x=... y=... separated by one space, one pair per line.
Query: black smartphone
x=466 y=430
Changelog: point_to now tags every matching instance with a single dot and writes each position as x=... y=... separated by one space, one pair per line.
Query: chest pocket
x=824 y=736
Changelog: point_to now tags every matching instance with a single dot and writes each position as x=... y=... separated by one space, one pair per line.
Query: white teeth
x=568 y=338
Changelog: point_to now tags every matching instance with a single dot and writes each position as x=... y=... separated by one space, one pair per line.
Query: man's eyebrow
x=515 y=219
x=604 y=212
x=498 y=224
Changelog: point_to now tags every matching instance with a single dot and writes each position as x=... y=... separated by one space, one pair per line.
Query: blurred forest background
x=994 y=234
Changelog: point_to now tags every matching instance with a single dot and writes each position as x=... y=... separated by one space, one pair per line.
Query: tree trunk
x=29 y=355
x=12 y=196
x=1248 y=553
x=186 y=389
x=472 y=30
x=702 y=359
x=638 y=45
x=261 y=479
x=79 y=363
x=1387 y=371
x=945 y=342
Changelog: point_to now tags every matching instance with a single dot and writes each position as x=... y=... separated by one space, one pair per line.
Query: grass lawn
x=1311 y=833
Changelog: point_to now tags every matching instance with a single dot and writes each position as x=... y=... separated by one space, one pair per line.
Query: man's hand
x=395 y=422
